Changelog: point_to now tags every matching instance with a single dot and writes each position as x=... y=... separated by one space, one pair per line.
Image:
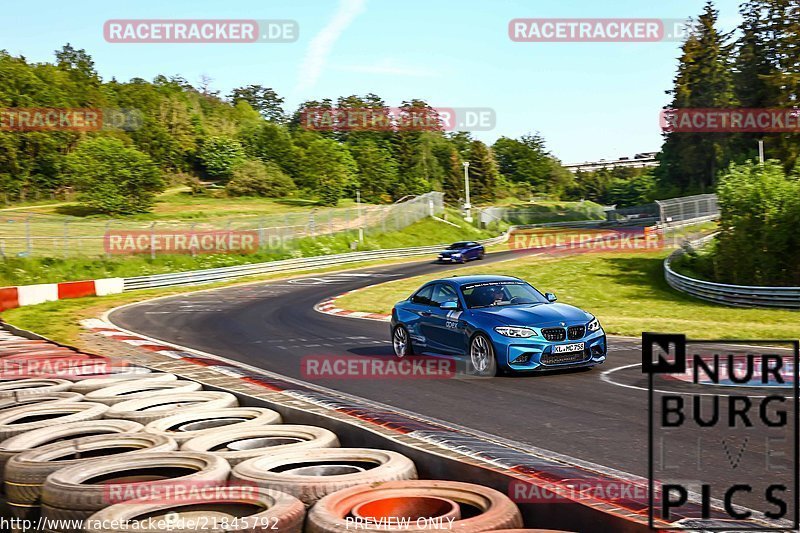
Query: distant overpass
x=643 y=160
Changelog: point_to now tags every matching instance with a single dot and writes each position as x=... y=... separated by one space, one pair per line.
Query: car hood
x=451 y=252
x=534 y=315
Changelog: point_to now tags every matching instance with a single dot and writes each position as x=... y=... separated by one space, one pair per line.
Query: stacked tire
x=136 y=450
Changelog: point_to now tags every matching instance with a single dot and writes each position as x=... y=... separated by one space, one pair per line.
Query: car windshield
x=500 y=293
x=457 y=246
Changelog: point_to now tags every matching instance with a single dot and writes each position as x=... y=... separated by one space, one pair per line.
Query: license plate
x=568 y=348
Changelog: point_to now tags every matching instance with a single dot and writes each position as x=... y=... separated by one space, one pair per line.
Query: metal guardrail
x=733 y=295
x=197 y=277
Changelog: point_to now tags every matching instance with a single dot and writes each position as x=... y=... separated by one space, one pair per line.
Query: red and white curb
x=13 y=297
x=329 y=307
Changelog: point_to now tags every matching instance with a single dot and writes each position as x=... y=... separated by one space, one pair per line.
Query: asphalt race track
x=593 y=415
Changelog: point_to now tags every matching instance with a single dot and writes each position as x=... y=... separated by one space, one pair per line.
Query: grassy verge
x=59 y=320
x=178 y=203
x=626 y=291
x=24 y=271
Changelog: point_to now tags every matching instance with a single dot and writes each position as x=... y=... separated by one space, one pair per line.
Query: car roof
x=463 y=280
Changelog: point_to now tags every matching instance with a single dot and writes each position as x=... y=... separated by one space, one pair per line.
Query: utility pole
x=467 y=205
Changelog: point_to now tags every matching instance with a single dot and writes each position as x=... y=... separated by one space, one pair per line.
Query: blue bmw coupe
x=497 y=323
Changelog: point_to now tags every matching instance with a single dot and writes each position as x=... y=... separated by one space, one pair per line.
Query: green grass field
x=626 y=291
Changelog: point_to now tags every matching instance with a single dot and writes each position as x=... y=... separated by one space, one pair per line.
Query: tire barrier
x=311 y=474
x=238 y=445
x=146 y=410
x=77 y=492
x=530 y=531
x=140 y=388
x=26 y=472
x=72 y=430
x=264 y=511
x=413 y=506
x=16 y=387
x=117 y=375
x=26 y=418
x=201 y=423
x=20 y=400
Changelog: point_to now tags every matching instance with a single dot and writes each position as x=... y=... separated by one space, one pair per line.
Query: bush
x=113 y=178
x=759 y=216
x=254 y=178
x=219 y=156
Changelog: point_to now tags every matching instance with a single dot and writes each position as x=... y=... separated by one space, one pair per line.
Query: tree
x=483 y=172
x=255 y=178
x=113 y=178
x=637 y=190
x=219 y=155
x=329 y=170
x=692 y=160
x=270 y=142
x=263 y=99
x=378 y=169
x=525 y=160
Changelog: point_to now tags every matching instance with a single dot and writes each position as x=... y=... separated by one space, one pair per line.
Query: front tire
x=482 y=360
x=401 y=342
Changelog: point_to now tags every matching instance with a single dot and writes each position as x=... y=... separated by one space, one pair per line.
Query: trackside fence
x=228 y=273
x=31 y=234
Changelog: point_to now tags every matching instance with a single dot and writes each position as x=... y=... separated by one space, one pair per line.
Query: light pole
x=360 y=222
x=467 y=205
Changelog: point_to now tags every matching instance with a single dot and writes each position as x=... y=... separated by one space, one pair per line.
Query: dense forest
x=756 y=67
x=245 y=141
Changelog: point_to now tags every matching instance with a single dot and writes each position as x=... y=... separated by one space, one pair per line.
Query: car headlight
x=457 y=254
x=510 y=331
x=594 y=325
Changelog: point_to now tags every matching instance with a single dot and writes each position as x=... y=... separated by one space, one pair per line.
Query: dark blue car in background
x=461 y=252
x=497 y=323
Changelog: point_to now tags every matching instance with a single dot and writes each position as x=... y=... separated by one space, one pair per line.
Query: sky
x=589 y=101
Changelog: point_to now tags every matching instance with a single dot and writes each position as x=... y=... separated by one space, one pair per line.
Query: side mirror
x=449 y=306
x=550 y=297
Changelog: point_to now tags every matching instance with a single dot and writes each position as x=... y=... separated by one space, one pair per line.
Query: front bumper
x=536 y=354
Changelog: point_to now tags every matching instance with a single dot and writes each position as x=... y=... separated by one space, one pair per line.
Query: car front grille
x=563 y=358
x=554 y=334
x=576 y=332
